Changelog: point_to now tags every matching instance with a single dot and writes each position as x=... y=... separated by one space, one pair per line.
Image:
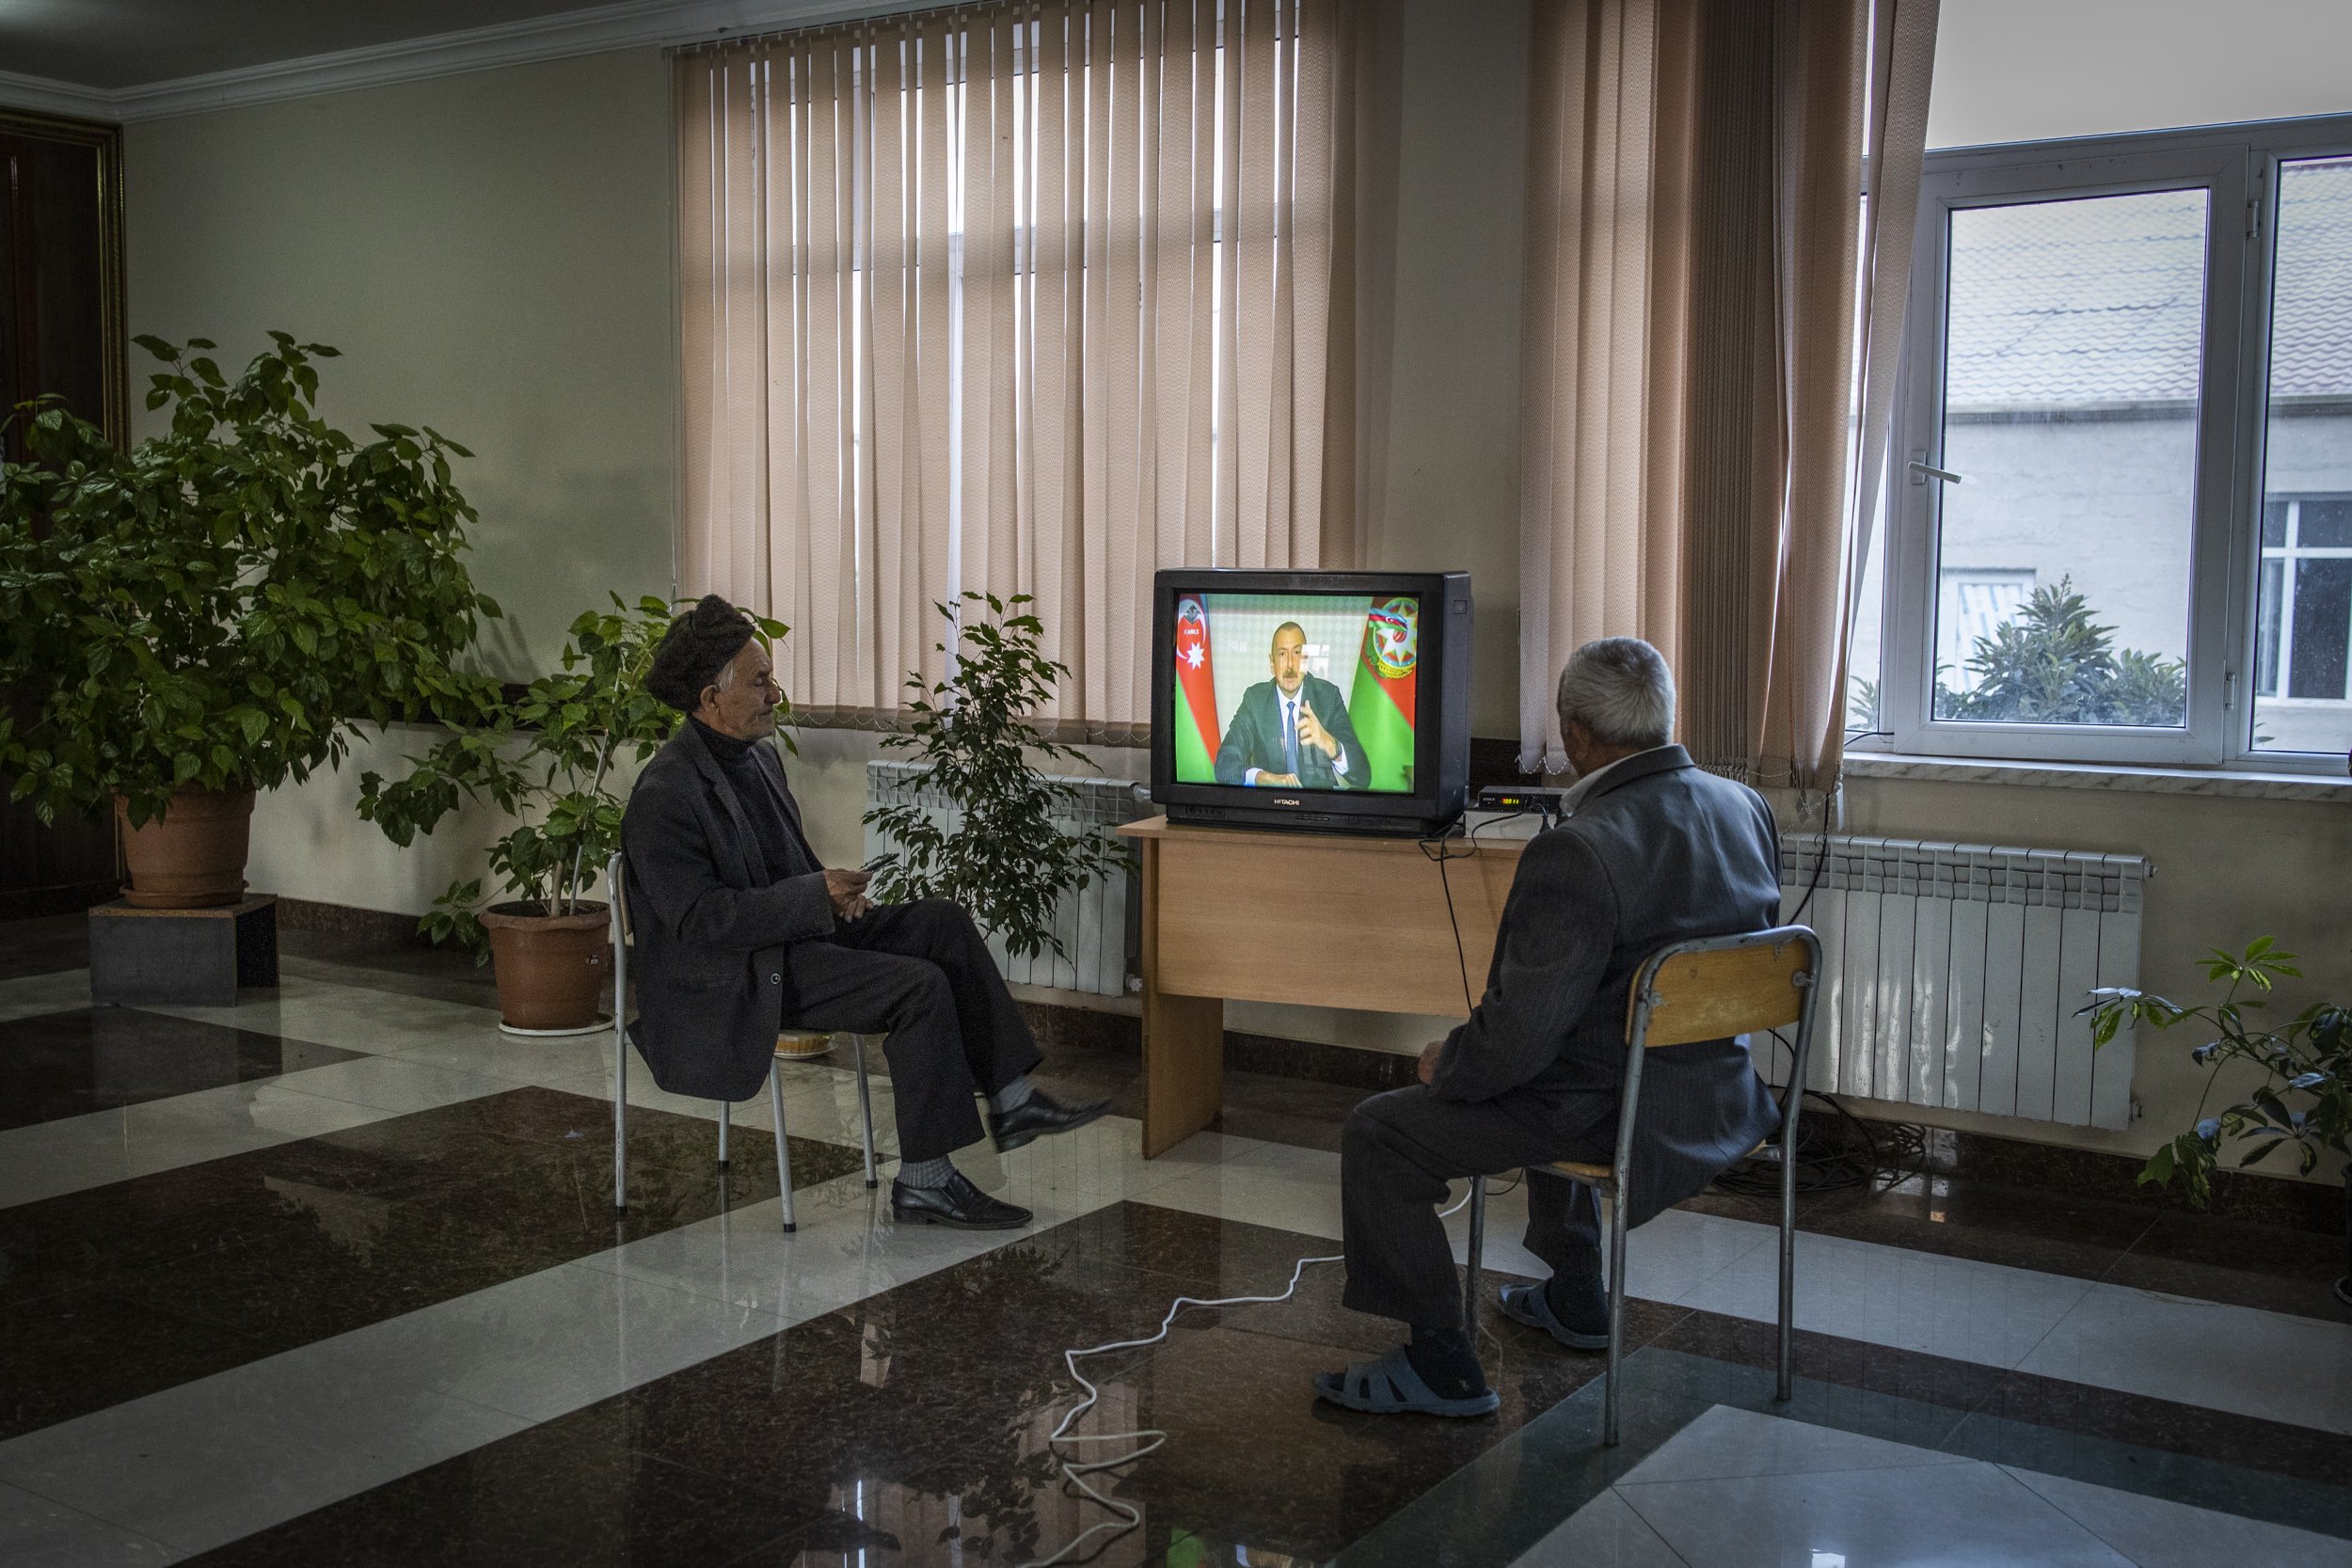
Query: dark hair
x=697 y=646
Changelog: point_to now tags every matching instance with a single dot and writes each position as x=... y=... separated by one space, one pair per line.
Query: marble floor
x=333 y=1277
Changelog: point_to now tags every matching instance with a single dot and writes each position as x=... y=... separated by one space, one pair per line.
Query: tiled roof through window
x=2100 y=301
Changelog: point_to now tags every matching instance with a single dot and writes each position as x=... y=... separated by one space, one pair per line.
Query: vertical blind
x=1026 y=298
x=1715 y=313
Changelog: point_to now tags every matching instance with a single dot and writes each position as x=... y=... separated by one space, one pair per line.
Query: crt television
x=1328 y=701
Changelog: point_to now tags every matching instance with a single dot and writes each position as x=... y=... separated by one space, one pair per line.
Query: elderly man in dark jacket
x=1653 y=852
x=741 y=929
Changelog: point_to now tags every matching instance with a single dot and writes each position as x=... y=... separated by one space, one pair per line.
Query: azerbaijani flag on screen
x=1381 y=706
x=1195 y=694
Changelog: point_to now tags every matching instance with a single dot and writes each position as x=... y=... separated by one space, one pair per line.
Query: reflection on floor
x=333 y=1277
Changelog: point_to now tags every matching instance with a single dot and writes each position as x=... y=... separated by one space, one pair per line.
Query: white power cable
x=1072 y=1470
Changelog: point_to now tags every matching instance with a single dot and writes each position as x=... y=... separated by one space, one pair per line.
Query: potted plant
x=2305 y=1095
x=1005 y=862
x=220 y=608
x=545 y=756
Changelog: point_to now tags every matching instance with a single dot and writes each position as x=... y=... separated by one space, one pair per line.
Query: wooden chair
x=1704 y=990
x=617 y=871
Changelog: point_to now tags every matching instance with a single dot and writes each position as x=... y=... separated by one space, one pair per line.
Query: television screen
x=1297 y=690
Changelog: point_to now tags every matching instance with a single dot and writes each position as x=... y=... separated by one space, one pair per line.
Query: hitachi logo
x=1282 y=801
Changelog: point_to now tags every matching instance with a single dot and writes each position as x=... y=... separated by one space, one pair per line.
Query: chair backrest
x=1716 y=987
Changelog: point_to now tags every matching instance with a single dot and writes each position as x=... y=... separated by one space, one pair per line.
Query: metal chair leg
x=1788 y=1245
x=1477 y=1253
x=726 y=1114
x=1616 y=1311
x=784 y=1153
x=620 y=1114
x=865 y=1105
x=620 y=1040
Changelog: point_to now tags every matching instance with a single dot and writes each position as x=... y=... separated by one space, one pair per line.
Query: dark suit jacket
x=1254 y=740
x=1659 y=852
x=711 y=922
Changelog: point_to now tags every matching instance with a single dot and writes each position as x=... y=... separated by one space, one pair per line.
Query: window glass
x=2074 y=351
x=2303 y=619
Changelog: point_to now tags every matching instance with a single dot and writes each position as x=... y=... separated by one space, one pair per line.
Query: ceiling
x=112 y=44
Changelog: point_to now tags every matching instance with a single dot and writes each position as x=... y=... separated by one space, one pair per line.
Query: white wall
x=492 y=254
x=2030 y=70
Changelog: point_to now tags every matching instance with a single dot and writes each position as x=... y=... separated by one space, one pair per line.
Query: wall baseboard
x=31 y=903
x=385 y=925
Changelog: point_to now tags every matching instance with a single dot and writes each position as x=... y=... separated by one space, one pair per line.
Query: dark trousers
x=1398 y=1151
x=921 y=974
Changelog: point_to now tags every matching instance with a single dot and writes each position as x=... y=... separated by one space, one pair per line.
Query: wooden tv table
x=1321 y=920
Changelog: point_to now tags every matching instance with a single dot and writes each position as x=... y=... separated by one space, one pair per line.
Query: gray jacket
x=1657 y=853
x=710 y=924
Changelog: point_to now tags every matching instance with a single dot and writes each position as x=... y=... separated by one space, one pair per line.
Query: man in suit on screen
x=1292 y=731
x=1653 y=850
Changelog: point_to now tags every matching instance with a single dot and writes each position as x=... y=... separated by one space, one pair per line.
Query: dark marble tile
x=1825 y=1358
x=283 y=1246
x=44 y=944
x=2115 y=1178
x=2215 y=1258
x=2052 y=1405
x=2320 y=1504
x=67 y=1064
x=66 y=1356
x=570 y=1492
x=1954 y=1217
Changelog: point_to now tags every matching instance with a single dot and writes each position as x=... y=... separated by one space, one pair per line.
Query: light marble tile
x=52 y=1158
x=1726 y=1444
x=186 y=1130
x=2157 y=1533
x=1882 y=1296
x=1604 y=1533
x=1947 y=1515
x=222 y=1457
x=513 y=1059
x=396 y=1085
x=351 y=1017
x=37 y=1533
x=1257 y=1192
x=1666 y=1260
x=551 y=1342
x=845 y=1249
x=35 y=994
x=2201 y=1353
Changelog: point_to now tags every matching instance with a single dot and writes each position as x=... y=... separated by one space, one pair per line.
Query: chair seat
x=1576 y=1171
x=799 y=1045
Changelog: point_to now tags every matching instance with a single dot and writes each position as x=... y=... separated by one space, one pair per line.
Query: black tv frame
x=1440 y=747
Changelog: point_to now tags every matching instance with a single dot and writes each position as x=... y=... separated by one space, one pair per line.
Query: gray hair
x=1620 y=688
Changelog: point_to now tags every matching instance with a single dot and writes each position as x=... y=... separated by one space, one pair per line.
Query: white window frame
x=2237 y=165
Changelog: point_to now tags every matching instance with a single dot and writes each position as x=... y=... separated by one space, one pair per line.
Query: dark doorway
x=61 y=333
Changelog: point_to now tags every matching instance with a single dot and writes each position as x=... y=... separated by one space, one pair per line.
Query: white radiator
x=1955 y=973
x=1099 y=924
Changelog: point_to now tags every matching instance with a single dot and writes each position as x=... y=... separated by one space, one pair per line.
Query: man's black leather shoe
x=958 y=1205
x=1037 y=1116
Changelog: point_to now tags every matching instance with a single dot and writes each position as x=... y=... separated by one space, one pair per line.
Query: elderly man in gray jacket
x=1653 y=850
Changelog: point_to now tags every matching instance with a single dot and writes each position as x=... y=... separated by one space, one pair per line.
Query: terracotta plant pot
x=193 y=856
x=552 y=970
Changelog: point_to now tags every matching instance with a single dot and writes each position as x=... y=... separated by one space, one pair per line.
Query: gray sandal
x=1390 y=1387
x=1525 y=1304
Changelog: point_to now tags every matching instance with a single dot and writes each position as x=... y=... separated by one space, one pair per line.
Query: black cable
x=1825 y=1163
x=1435 y=848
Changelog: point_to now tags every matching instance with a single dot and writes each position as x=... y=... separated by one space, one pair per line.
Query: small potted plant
x=1005 y=862
x=2304 y=1100
x=219 y=609
x=545 y=756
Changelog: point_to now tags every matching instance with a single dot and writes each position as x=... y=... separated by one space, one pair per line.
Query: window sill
x=2242 y=785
